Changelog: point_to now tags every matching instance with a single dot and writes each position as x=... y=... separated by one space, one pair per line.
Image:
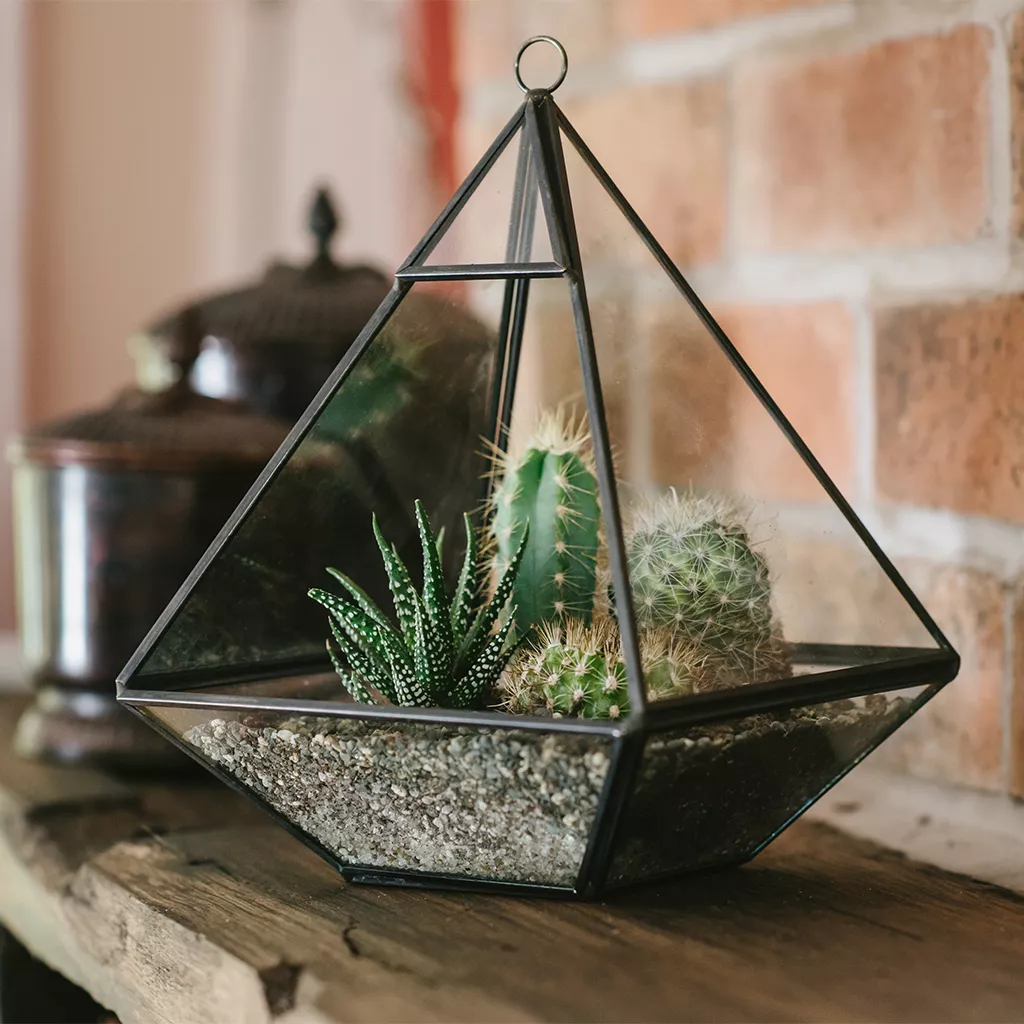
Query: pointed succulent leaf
x=357 y=625
x=349 y=680
x=372 y=670
x=402 y=591
x=462 y=606
x=484 y=671
x=435 y=601
x=361 y=598
x=476 y=638
x=422 y=691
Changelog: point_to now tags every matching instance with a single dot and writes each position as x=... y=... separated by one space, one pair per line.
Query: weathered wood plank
x=214 y=916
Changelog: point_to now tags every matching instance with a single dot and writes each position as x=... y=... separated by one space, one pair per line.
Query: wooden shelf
x=181 y=903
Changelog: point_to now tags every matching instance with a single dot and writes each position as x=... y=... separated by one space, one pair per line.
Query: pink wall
x=152 y=150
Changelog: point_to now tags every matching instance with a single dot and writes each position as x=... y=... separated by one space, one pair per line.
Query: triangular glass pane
x=405 y=424
x=548 y=478
x=739 y=558
x=503 y=220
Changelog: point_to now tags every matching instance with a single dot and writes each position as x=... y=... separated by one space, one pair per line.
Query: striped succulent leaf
x=465 y=592
x=433 y=657
x=476 y=638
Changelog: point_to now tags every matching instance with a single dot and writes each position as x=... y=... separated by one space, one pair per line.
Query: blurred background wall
x=841 y=179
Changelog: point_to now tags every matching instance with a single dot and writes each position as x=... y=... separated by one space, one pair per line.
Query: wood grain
x=179 y=904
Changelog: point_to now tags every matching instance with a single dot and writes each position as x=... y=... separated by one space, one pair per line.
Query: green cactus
x=693 y=570
x=443 y=651
x=551 y=488
x=578 y=669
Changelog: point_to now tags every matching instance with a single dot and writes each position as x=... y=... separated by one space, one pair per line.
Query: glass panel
x=406 y=424
x=712 y=795
x=736 y=552
x=570 y=661
x=480 y=232
x=500 y=804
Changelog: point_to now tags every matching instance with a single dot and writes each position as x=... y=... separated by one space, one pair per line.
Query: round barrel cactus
x=694 y=571
x=578 y=669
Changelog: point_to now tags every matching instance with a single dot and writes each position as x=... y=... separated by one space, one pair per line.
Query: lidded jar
x=113 y=508
x=273 y=343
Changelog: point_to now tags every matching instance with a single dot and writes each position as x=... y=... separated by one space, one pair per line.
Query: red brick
x=806 y=357
x=550 y=373
x=958 y=737
x=657 y=17
x=708 y=426
x=665 y=147
x=690 y=386
x=1017 y=121
x=886 y=146
x=830 y=589
x=950 y=398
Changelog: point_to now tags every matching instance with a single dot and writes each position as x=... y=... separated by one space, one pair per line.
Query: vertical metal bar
x=625 y=764
x=515 y=346
x=514 y=304
x=542 y=117
x=748 y=375
x=557 y=228
x=512 y=245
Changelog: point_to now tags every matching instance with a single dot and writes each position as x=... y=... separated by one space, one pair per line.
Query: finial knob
x=323 y=221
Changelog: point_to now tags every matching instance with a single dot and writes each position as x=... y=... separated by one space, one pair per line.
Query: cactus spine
x=576 y=669
x=693 y=570
x=551 y=488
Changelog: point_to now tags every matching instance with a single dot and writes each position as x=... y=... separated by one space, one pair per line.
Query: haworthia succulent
x=433 y=657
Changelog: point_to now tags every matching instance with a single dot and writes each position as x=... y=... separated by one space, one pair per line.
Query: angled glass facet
x=406 y=423
x=406 y=796
x=503 y=219
x=731 y=538
x=734 y=785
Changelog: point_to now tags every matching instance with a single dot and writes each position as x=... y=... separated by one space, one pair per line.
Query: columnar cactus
x=693 y=570
x=550 y=487
x=443 y=651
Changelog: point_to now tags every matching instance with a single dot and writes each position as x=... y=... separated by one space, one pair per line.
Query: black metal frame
x=541 y=170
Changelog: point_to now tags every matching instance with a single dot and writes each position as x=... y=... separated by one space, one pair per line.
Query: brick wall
x=844 y=184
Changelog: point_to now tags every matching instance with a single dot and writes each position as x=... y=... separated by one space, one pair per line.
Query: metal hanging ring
x=561 y=50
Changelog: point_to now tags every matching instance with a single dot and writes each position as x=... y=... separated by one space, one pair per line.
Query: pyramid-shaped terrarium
x=543 y=591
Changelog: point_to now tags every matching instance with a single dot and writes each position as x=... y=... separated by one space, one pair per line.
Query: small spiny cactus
x=551 y=487
x=578 y=669
x=443 y=651
x=694 y=571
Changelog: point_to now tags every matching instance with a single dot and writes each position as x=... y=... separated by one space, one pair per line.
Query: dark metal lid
x=174 y=430
x=321 y=303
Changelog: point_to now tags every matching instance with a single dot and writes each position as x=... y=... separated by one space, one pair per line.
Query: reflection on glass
x=714 y=794
x=734 y=547
x=406 y=424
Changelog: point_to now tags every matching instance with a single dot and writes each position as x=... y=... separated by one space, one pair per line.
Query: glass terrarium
x=543 y=591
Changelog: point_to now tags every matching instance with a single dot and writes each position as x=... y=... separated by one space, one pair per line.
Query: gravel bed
x=499 y=804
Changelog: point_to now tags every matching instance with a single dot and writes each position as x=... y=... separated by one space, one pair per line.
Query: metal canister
x=113 y=508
